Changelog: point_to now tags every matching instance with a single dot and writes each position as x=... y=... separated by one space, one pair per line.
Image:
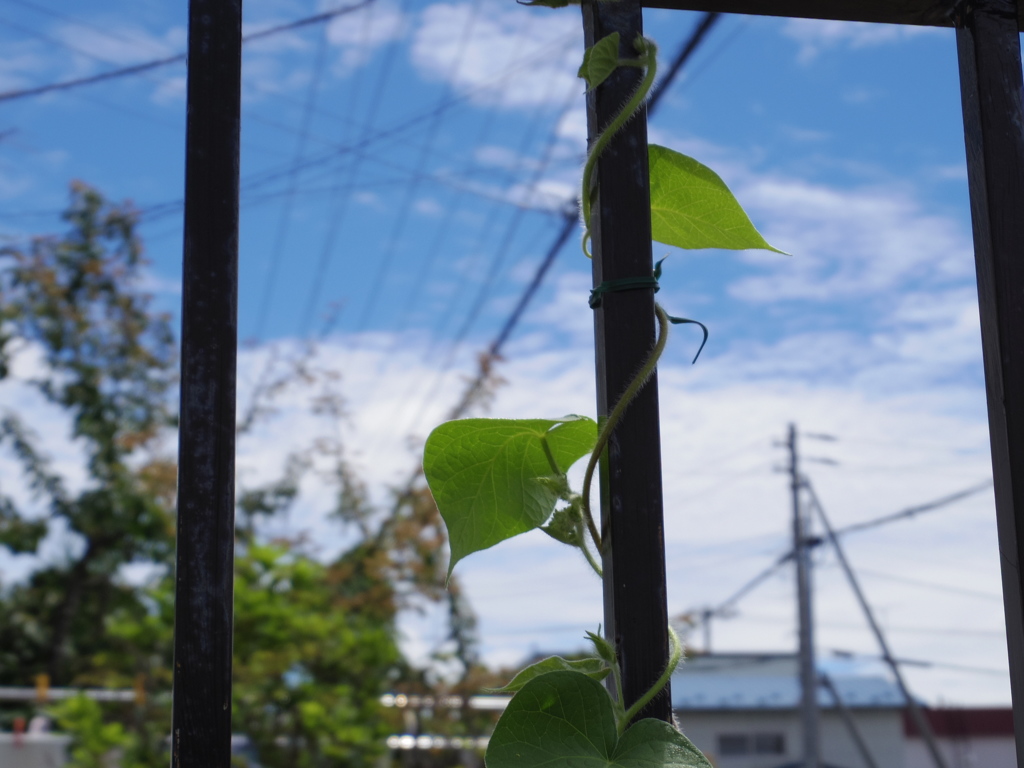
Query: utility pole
x=802 y=558
x=912 y=706
x=706 y=615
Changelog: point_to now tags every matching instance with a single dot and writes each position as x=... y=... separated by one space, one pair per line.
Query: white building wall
x=975 y=752
x=33 y=750
x=881 y=729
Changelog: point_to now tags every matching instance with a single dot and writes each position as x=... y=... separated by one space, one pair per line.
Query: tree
x=107 y=361
x=315 y=642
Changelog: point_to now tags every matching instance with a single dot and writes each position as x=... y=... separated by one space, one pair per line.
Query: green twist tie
x=639 y=283
x=625 y=284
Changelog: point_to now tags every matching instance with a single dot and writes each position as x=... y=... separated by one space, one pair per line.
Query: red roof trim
x=964 y=723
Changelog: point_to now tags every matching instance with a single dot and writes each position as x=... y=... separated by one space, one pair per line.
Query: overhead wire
x=720 y=610
x=843 y=654
x=915 y=510
x=483 y=234
x=392 y=134
x=912 y=707
x=264 y=378
x=338 y=203
x=284 y=220
x=401 y=218
x=146 y=66
x=494 y=267
x=944 y=588
x=692 y=43
x=543 y=268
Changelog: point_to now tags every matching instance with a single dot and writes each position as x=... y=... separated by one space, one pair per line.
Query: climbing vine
x=493 y=479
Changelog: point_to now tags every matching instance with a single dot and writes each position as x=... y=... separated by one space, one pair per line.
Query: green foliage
x=493 y=479
x=566 y=720
x=691 y=207
x=93 y=741
x=107 y=359
x=591 y=667
x=600 y=60
x=315 y=642
x=308 y=669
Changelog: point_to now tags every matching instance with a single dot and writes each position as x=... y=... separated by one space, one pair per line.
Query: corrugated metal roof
x=740 y=682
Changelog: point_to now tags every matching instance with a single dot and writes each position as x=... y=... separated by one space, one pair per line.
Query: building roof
x=768 y=681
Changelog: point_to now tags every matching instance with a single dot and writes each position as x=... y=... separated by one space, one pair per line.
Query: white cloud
x=20 y=66
x=908 y=432
x=171 y=91
x=119 y=44
x=508 y=58
x=726 y=509
x=572 y=127
x=428 y=206
x=361 y=33
x=846 y=243
x=815 y=35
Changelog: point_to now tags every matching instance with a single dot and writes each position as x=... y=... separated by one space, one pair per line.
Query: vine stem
x=650 y=60
x=616 y=416
x=590 y=558
x=675 y=654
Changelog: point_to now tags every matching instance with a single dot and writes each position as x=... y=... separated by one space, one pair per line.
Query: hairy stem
x=590 y=557
x=616 y=416
x=675 y=653
x=649 y=59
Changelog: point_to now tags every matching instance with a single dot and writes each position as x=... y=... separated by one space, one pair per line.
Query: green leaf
x=565 y=720
x=691 y=207
x=600 y=60
x=566 y=525
x=602 y=647
x=487 y=475
x=590 y=667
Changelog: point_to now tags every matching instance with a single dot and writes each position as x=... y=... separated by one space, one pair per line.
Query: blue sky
x=408 y=162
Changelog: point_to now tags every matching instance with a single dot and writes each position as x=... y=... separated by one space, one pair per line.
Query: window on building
x=733 y=744
x=769 y=744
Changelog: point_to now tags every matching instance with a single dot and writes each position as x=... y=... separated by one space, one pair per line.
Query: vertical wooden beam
x=201 y=728
x=988 y=45
x=636 y=613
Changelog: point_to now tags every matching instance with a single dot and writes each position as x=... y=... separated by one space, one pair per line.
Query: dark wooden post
x=201 y=728
x=988 y=44
x=636 y=613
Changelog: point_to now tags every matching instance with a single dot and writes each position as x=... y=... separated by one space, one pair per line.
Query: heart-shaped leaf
x=565 y=720
x=491 y=478
x=691 y=207
x=591 y=667
x=600 y=60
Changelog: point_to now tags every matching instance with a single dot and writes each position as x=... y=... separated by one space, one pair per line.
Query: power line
x=475 y=385
x=136 y=69
x=945 y=588
x=693 y=42
x=284 y=221
x=426 y=148
x=893 y=629
x=340 y=207
x=393 y=133
x=915 y=510
x=925 y=663
x=912 y=707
